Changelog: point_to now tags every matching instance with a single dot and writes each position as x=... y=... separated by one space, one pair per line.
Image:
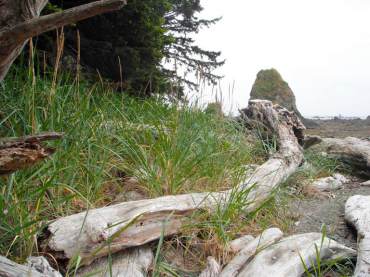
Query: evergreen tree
x=181 y=22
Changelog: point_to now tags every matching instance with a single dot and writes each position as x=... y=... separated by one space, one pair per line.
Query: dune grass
x=169 y=148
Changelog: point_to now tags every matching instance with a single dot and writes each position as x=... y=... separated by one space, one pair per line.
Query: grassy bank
x=169 y=148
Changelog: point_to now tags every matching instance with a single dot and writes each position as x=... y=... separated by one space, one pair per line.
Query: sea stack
x=270 y=85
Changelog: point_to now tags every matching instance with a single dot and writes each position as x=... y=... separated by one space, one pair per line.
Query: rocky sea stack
x=270 y=85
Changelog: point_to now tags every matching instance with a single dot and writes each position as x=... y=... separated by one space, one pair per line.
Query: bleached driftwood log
x=213 y=269
x=353 y=152
x=267 y=238
x=238 y=244
x=35 y=267
x=97 y=232
x=20 y=21
x=132 y=262
x=24 y=152
x=357 y=213
x=285 y=257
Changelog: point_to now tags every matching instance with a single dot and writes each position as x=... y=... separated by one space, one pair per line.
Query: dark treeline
x=146 y=47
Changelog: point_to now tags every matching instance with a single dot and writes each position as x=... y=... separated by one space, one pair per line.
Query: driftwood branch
x=357 y=213
x=20 y=153
x=21 y=24
x=97 y=232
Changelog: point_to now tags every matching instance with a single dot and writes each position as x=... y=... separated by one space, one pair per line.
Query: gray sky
x=320 y=47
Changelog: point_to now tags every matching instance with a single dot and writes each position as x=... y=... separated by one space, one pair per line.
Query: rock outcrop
x=269 y=85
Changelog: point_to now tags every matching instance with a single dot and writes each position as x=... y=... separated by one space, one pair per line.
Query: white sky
x=320 y=47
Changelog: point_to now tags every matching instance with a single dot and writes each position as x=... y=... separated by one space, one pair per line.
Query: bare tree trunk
x=97 y=232
x=24 y=152
x=20 y=21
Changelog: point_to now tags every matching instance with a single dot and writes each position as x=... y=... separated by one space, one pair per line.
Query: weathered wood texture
x=357 y=213
x=353 y=152
x=132 y=262
x=267 y=238
x=238 y=244
x=19 y=153
x=35 y=267
x=285 y=257
x=20 y=20
x=97 y=232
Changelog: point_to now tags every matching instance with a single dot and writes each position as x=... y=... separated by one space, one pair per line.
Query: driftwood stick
x=20 y=153
x=357 y=213
x=267 y=238
x=289 y=256
x=97 y=232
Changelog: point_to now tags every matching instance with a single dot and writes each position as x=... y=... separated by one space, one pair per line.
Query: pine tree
x=182 y=22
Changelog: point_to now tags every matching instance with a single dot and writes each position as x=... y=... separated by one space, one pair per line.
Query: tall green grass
x=170 y=149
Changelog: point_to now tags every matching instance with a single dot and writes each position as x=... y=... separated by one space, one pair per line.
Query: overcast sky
x=320 y=47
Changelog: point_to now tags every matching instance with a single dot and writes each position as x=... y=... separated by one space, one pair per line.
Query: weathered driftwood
x=19 y=153
x=35 y=267
x=334 y=182
x=237 y=264
x=353 y=152
x=212 y=269
x=288 y=256
x=97 y=232
x=132 y=262
x=357 y=213
x=238 y=244
x=20 y=21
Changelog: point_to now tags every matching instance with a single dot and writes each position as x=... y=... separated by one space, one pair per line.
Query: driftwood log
x=20 y=153
x=35 y=267
x=20 y=20
x=238 y=244
x=95 y=233
x=357 y=213
x=289 y=256
x=132 y=262
x=267 y=238
x=353 y=152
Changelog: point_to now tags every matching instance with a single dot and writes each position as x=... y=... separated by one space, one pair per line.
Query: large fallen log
x=357 y=213
x=35 y=267
x=95 y=233
x=353 y=152
x=292 y=255
x=19 y=153
x=20 y=21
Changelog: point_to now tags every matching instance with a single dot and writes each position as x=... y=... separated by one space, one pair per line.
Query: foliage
x=108 y=137
x=135 y=45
